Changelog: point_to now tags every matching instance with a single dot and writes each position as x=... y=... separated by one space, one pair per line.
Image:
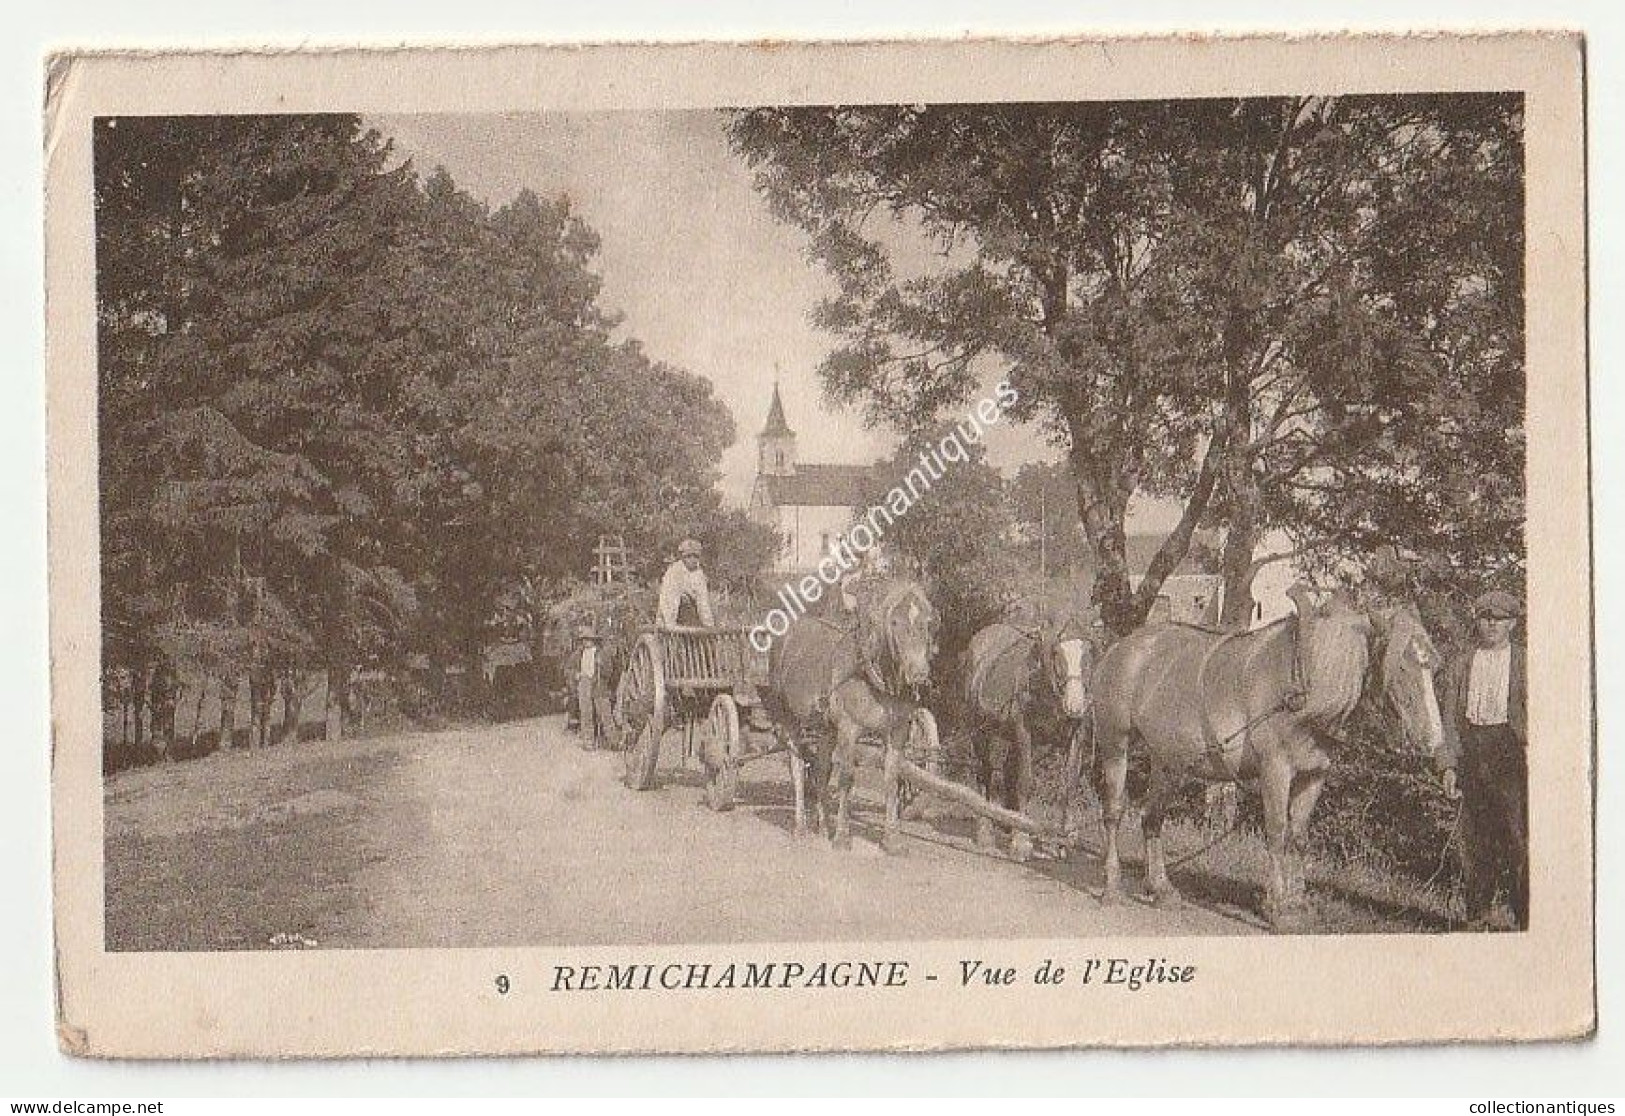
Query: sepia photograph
x=734 y=544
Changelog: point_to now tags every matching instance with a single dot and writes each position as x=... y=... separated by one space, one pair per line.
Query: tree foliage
x=1257 y=308
x=346 y=412
x=956 y=535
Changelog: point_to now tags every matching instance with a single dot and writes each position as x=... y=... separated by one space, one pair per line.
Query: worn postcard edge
x=91 y=988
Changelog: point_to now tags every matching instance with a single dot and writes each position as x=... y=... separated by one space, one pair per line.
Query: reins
x=1290 y=700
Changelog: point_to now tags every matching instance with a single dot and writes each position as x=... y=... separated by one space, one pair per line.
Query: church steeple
x=776 y=444
x=776 y=426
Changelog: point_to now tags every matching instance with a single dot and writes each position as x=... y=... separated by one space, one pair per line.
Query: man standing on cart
x=685 y=596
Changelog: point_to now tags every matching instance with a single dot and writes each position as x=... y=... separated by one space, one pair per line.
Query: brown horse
x=830 y=684
x=1015 y=679
x=1264 y=707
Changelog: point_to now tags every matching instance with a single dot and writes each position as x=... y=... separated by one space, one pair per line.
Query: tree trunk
x=1240 y=544
x=293 y=700
x=1102 y=509
x=228 y=711
x=165 y=694
x=193 y=748
x=1103 y=519
x=138 y=706
x=335 y=712
x=1241 y=484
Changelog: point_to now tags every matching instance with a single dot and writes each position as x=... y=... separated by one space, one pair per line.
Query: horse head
x=1068 y=658
x=1407 y=663
x=900 y=636
x=1340 y=639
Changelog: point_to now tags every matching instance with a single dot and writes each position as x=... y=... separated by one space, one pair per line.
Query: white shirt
x=589 y=661
x=1488 y=678
x=680 y=582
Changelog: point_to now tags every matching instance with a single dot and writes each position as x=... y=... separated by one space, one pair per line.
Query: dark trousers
x=1495 y=824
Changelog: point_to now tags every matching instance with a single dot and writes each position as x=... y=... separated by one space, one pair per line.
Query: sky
x=707 y=279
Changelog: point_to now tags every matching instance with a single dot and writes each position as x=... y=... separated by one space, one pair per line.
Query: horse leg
x=798 y=778
x=984 y=735
x=1275 y=786
x=846 y=757
x=1306 y=790
x=1163 y=787
x=1074 y=775
x=1018 y=784
x=818 y=779
x=1113 y=790
x=821 y=783
x=892 y=841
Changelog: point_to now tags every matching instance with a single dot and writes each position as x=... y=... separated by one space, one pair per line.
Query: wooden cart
x=703 y=683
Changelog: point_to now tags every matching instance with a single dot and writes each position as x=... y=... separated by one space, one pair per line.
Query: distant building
x=808 y=503
x=1189 y=596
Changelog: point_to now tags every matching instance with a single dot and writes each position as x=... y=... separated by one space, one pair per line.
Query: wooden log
x=964 y=796
x=753 y=752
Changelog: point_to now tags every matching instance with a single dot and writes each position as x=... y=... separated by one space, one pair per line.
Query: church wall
x=810 y=531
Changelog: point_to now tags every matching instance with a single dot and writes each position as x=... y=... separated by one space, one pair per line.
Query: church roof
x=775 y=416
x=821 y=485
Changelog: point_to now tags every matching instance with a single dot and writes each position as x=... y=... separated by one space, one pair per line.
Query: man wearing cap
x=1483 y=693
x=685 y=597
x=586 y=682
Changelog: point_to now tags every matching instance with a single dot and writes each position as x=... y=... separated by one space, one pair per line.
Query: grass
x=277 y=843
x=1350 y=890
x=1350 y=894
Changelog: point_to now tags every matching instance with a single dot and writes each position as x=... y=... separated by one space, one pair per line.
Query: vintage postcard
x=795 y=546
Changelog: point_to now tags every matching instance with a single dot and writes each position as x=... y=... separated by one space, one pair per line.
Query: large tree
x=1039 y=218
x=1345 y=260
x=1442 y=482
x=957 y=535
x=242 y=441
x=346 y=413
x=1190 y=296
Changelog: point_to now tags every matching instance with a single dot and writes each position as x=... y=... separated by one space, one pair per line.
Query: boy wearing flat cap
x=1483 y=692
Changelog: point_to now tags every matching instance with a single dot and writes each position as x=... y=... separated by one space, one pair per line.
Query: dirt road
x=511 y=835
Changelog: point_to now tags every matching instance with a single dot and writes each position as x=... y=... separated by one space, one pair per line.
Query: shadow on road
x=945 y=827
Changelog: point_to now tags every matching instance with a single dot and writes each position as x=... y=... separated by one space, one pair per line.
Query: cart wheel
x=641 y=709
x=721 y=753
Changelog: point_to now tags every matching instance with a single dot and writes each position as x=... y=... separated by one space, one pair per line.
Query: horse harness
x=1291 y=701
x=867 y=667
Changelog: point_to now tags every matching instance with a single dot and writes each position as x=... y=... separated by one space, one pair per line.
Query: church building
x=808 y=503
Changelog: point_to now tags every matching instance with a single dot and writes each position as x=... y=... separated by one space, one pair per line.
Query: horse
x=1016 y=678
x=830 y=683
x=1264 y=707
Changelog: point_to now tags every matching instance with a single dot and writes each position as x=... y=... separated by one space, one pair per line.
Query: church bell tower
x=776 y=444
